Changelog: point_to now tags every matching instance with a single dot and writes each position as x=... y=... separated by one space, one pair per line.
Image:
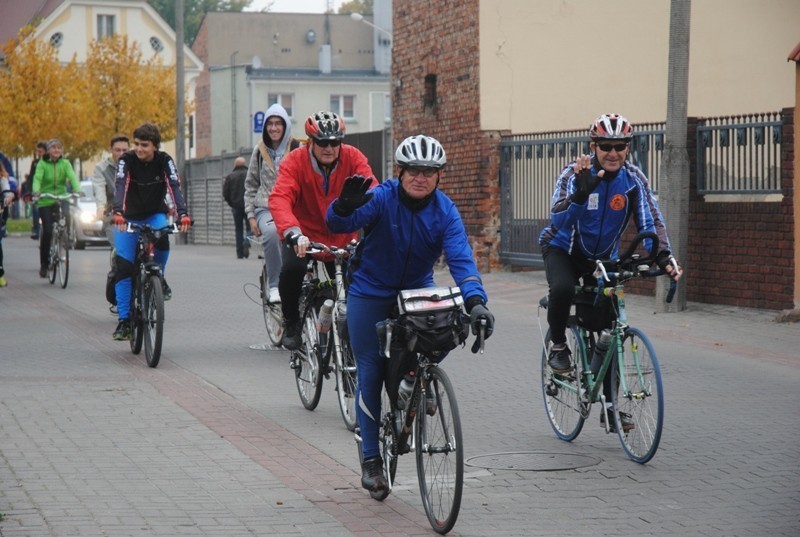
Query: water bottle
x=600 y=349
x=341 y=319
x=325 y=317
x=404 y=391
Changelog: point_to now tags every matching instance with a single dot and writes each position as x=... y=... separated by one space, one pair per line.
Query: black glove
x=662 y=259
x=354 y=194
x=585 y=183
x=477 y=312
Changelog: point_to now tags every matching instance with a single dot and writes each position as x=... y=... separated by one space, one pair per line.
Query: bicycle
x=273 y=316
x=429 y=424
x=147 y=293
x=312 y=361
x=629 y=365
x=60 y=243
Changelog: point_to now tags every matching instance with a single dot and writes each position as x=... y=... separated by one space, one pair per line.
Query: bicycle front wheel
x=55 y=256
x=346 y=383
x=63 y=259
x=153 y=319
x=440 y=454
x=638 y=393
x=562 y=392
x=307 y=361
x=273 y=318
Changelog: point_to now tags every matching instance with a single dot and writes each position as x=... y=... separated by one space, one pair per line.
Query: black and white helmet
x=422 y=151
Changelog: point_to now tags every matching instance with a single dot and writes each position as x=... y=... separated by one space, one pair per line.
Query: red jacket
x=299 y=198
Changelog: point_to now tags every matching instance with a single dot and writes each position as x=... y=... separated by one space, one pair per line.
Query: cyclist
x=7 y=196
x=594 y=199
x=276 y=142
x=309 y=179
x=104 y=180
x=145 y=176
x=408 y=223
x=51 y=176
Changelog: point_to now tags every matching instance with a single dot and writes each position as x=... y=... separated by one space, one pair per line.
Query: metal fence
x=738 y=155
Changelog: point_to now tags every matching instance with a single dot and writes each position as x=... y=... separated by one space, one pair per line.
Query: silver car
x=86 y=228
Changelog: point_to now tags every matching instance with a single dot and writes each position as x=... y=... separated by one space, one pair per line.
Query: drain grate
x=531 y=461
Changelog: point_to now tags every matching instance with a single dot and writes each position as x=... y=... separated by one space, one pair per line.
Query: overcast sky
x=294 y=6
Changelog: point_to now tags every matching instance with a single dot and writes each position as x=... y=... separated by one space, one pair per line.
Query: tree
x=39 y=97
x=194 y=11
x=127 y=91
x=365 y=7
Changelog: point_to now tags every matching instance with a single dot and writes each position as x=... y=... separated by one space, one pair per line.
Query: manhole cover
x=531 y=461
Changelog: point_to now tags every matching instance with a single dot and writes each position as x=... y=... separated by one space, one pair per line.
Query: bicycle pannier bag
x=433 y=320
x=594 y=317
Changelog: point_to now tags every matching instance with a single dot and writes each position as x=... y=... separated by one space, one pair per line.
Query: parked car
x=86 y=227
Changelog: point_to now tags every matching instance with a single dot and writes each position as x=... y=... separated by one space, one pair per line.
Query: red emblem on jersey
x=617 y=202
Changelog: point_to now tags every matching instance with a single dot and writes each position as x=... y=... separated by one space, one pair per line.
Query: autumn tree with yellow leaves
x=115 y=90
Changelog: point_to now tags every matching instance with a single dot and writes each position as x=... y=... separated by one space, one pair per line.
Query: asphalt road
x=215 y=440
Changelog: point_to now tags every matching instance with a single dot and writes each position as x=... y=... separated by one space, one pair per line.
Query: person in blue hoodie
x=276 y=142
x=408 y=222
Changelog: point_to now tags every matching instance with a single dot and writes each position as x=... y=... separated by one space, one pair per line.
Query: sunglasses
x=427 y=172
x=328 y=143
x=619 y=148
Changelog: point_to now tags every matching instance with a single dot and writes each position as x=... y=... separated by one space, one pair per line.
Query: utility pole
x=180 y=114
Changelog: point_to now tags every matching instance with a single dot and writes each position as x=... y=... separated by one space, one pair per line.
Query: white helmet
x=420 y=150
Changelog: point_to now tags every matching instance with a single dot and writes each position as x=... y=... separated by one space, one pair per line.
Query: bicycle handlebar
x=133 y=227
x=336 y=251
x=69 y=195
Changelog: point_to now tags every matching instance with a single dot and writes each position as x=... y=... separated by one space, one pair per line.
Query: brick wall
x=202 y=130
x=440 y=38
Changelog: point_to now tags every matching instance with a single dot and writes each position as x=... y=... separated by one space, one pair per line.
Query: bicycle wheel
x=307 y=361
x=153 y=319
x=387 y=436
x=137 y=330
x=63 y=259
x=55 y=256
x=440 y=455
x=346 y=383
x=273 y=318
x=638 y=392
x=562 y=392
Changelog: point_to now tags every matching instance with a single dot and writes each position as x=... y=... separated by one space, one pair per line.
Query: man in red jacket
x=309 y=180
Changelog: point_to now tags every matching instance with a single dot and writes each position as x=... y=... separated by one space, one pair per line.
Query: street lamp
x=359 y=17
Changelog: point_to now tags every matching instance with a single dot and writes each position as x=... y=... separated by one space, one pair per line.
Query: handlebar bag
x=432 y=319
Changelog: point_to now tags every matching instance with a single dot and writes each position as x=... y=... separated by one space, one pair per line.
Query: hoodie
x=264 y=162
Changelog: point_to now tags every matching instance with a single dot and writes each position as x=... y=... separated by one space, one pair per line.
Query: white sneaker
x=274 y=295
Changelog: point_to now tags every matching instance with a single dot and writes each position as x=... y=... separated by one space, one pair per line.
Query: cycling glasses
x=619 y=148
x=328 y=143
x=427 y=172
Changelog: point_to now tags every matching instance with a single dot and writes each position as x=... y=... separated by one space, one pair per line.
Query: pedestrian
x=27 y=188
x=233 y=193
x=276 y=142
x=104 y=179
x=145 y=176
x=309 y=179
x=420 y=222
x=595 y=198
x=52 y=174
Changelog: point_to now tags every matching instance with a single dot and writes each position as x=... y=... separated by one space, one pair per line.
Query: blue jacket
x=594 y=228
x=400 y=246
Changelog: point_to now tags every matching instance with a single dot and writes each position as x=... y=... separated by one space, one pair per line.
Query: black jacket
x=233 y=187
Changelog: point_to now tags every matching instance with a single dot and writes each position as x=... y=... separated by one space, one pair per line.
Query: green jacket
x=51 y=177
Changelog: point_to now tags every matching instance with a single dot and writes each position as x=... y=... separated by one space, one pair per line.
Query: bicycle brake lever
x=480 y=339
x=673 y=286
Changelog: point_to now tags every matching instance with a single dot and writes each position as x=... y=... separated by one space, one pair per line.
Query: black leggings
x=293 y=270
x=49 y=215
x=563 y=271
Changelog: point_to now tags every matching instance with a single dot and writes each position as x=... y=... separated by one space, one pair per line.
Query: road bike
x=429 y=423
x=58 y=265
x=147 y=293
x=317 y=357
x=629 y=365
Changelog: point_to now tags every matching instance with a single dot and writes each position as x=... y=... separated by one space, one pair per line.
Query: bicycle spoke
x=562 y=392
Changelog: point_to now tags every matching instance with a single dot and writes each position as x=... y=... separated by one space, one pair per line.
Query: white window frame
x=338 y=106
x=282 y=99
x=104 y=21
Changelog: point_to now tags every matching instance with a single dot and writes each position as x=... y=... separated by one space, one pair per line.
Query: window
x=344 y=105
x=156 y=43
x=429 y=99
x=387 y=107
x=284 y=99
x=56 y=39
x=105 y=26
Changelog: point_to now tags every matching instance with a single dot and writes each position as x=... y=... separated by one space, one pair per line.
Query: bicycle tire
x=563 y=403
x=63 y=259
x=153 y=319
x=55 y=255
x=307 y=361
x=346 y=383
x=273 y=317
x=137 y=332
x=387 y=437
x=440 y=453
x=644 y=399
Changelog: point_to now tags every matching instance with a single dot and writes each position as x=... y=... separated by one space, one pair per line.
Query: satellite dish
x=311 y=37
x=256 y=62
